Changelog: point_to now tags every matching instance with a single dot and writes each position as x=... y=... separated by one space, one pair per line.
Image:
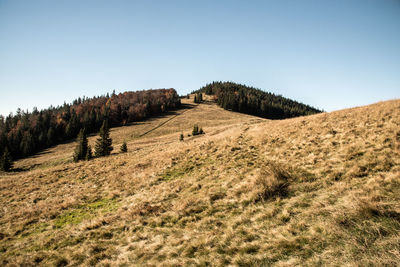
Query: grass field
x=317 y=190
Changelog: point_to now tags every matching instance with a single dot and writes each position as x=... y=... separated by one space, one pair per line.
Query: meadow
x=316 y=190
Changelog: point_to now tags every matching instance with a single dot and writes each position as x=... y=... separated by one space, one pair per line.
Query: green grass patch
x=86 y=211
x=179 y=171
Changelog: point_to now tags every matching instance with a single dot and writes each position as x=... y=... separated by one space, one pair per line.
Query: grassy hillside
x=322 y=189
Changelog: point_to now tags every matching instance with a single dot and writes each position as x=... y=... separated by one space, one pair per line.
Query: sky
x=328 y=54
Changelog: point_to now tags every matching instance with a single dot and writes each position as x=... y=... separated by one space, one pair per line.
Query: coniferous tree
x=6 y=161
x=89 y=154
x=104 y=142
x=195 y=130
x=201 y=131
x=81 y=149
x=124 y=147
x=181 y=137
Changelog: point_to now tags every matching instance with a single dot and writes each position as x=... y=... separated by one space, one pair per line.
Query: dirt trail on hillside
x=163 y=123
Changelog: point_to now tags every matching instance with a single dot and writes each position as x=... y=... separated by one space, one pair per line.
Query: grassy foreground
x=323 y=189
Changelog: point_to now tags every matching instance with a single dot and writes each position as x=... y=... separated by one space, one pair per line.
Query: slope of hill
x=250 y=100
x=26 y=133
x=322 y=189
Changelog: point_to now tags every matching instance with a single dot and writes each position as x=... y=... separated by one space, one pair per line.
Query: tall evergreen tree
x=81 y=149
x=6 y=161
x=104 y=142
x=89 y=154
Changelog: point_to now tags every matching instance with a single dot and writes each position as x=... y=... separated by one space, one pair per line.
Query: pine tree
x=181 y=137
x=195 y=130
x=124 y=147
x=103 y=144
x=89 y=154
x=6 y=163
x=81 y=149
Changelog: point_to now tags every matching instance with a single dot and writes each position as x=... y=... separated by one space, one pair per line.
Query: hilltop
x=321 y=189
x=250 y=100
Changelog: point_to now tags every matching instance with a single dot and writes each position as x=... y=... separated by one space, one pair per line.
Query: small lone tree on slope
x=124 y=147
x=81 y=149
x=6 y=162
x=195 y=130
x=104 y=142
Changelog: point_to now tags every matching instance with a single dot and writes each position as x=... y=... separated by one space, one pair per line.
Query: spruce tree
x=6 y=161
x=89 y=154
x=81 y=149
x=195 y=130
x=104 y=142
x=124 y=147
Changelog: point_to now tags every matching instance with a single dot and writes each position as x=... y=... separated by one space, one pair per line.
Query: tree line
x=250 y=100
x=26 y=133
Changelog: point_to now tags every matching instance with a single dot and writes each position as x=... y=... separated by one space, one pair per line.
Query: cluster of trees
x=249 y=100
x=26 y=133
x=198 y=98
x=103 y=147
x=196 y=130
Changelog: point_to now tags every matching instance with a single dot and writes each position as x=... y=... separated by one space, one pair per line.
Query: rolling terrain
x=322 y=189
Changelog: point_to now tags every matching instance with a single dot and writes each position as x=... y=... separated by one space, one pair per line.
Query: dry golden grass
x=317 y=190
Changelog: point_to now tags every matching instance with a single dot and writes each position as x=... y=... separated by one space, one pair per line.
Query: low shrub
x=273 y=181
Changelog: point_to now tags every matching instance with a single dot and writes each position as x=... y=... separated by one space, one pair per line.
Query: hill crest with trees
x=26 y=133
x=253 y=101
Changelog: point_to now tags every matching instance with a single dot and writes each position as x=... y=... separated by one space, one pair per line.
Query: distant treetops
x=249 y=100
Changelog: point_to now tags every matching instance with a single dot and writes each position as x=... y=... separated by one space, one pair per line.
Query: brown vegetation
x=317 y=190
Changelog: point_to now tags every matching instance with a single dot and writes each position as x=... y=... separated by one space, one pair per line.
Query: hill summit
x=250 y=100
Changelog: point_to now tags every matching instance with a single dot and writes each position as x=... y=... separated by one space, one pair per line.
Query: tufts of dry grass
x=306 y=191
x=272 y=182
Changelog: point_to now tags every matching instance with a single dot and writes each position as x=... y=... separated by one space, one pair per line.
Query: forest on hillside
x=249 y=100
x=26 y=133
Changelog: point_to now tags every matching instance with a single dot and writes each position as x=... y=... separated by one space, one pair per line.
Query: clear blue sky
x=329 y=54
